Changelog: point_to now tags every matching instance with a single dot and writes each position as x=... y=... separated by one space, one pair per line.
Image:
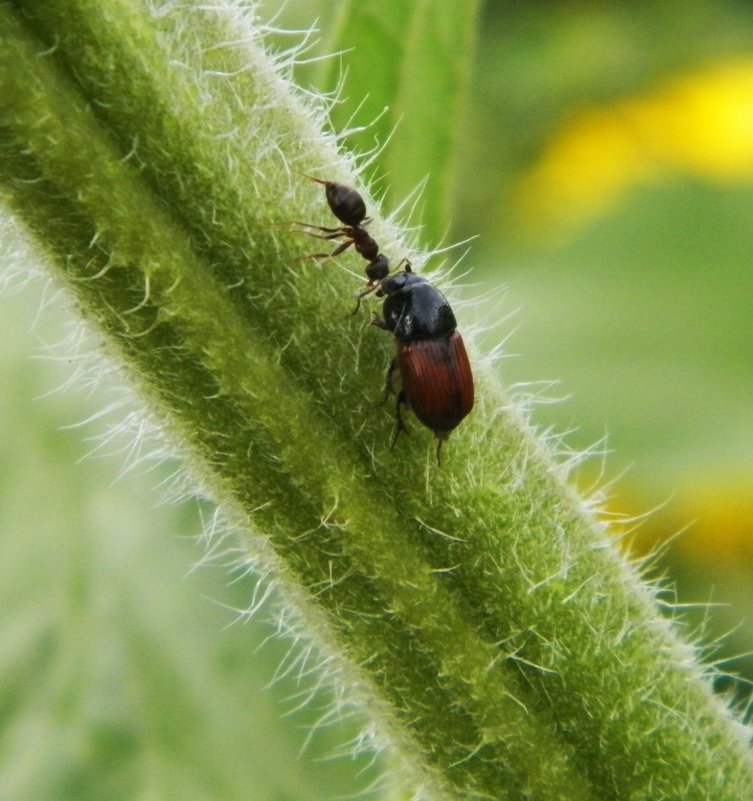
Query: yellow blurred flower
x=700 y=124
x=710 y=524
x=721 y=533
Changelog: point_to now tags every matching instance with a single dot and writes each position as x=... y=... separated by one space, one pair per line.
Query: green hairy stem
x=505 y=648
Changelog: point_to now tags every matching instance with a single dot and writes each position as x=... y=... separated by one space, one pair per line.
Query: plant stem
x=506 y=648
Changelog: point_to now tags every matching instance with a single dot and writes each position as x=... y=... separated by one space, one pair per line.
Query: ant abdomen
x=345 y=203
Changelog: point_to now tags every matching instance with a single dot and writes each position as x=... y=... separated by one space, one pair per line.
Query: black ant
x=348 y=206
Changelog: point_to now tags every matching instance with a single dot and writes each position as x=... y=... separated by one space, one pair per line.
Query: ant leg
x=313 y=257
x=320 y=256
x=342 y=248
x=370 y=287
x=328 y=237
x=400 y=427
x=405 y=262
x=335 y=231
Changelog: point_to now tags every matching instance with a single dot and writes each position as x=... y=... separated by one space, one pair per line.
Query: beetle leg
x=400 y=427
x=378 y=321
x=389 y=384
x=441 y=439
x=389 y=388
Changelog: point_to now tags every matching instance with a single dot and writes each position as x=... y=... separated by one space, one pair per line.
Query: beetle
x=436 y=381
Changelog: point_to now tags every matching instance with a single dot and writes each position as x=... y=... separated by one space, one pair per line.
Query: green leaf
x=655 y=334
x=407 y=68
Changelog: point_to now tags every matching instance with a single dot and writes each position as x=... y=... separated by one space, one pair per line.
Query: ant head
x=378 y=269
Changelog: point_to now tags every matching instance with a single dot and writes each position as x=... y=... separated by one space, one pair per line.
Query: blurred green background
x=603 y=156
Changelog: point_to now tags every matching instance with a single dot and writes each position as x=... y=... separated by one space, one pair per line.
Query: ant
x=348 y=206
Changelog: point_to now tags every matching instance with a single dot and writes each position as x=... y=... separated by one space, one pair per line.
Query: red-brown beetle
x=435 y=374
